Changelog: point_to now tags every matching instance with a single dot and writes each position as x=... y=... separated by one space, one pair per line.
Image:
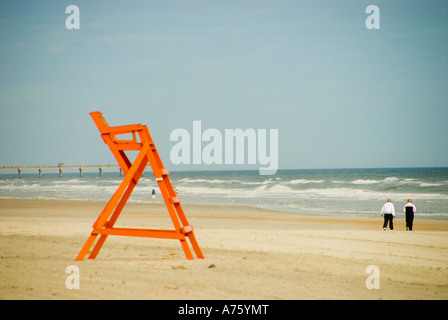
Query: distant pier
x=61 y=167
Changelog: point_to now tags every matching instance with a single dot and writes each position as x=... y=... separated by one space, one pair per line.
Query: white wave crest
x=363 y=181
x=304 y=181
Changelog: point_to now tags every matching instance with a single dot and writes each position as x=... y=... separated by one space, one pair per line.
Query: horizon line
x=110 y=166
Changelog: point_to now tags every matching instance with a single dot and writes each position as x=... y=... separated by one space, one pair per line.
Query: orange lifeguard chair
x=142 y=142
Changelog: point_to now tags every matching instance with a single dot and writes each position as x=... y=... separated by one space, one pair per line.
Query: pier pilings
x=60 y=169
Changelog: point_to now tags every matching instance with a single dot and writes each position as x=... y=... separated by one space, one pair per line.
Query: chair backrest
x=109 y=133
x=99 y=120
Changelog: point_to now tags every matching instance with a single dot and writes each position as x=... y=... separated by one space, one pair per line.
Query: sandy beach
x=249 y=253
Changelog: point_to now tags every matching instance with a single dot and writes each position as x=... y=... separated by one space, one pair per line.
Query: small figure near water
x=409 y=210
x=153 y=195
x=388 y=210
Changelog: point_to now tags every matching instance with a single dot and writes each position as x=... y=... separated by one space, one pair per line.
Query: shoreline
x=427 y=224
x=250 y=253
x=230 y=205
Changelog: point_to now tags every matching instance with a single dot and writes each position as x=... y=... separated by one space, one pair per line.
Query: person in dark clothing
x=409 y=210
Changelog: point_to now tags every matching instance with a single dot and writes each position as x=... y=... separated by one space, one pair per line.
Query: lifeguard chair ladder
x=104 y=226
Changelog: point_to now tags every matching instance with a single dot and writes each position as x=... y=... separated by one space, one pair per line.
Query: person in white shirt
x=388 y=210
x=409 y=210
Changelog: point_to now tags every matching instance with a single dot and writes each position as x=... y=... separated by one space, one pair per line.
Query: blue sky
x=341 y=96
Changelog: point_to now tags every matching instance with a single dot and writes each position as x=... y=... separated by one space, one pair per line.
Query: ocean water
x=347 y=192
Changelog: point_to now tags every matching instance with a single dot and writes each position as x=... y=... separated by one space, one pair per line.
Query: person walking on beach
x=153 y=194
x=388 y=210
x=409 y=211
